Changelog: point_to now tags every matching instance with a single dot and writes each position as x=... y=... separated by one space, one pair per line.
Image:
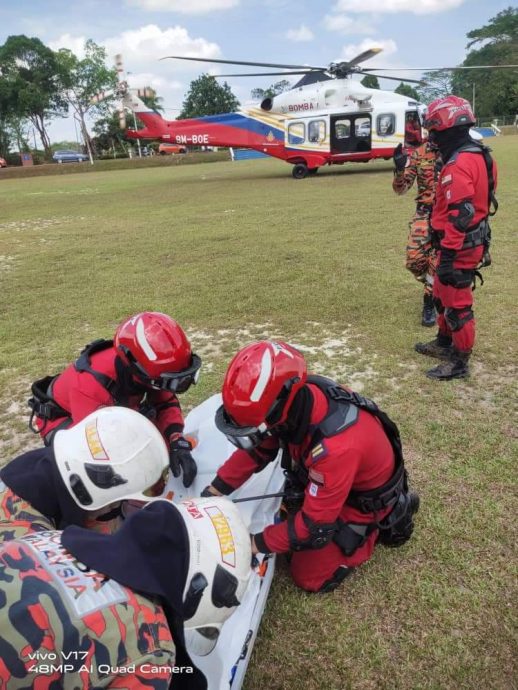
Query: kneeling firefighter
x=147 y=364
x=343 y=450
x=116 y=610
x=113 y=455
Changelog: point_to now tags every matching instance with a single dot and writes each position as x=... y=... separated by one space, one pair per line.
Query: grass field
x=237 y=251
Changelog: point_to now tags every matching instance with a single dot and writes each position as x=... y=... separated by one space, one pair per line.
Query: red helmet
x=447 y=112
x=157 y=351
x=259 y=387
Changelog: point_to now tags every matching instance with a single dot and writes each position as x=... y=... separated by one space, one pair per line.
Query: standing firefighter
x=343 y=452
x=147 y=364
x=464 y=195
x=419 y=167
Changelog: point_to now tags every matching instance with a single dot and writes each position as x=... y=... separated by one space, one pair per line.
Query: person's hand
x=400 y=158
x=181 y=460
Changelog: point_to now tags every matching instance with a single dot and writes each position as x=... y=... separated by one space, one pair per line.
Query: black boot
x=396 y=529
x=456 y=368
x=428 y=318
x=440 y=347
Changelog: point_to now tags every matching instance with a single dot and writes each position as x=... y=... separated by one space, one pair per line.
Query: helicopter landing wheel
x=299 y=171
x=312 y=171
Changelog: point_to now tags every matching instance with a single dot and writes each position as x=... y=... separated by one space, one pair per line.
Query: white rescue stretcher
x=225 y=666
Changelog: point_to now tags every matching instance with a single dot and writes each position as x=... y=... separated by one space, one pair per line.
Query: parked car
x=168 y=149
x=69 y=157
x=3 y=163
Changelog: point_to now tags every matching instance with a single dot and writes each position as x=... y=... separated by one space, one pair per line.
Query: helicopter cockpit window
x=343 y=129
x=296 y=133
x=317 y=131
x=386 y=124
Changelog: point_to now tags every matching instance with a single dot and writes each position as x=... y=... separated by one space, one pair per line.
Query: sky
x=412 y=33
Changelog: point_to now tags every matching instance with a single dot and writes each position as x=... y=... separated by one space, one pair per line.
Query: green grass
x=237 y=251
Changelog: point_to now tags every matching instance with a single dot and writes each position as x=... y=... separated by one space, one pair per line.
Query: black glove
x=181 y=460
x=445 y=271
x=400 y=158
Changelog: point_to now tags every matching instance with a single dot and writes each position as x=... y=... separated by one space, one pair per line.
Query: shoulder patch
x=318 y=452
x=446 y=179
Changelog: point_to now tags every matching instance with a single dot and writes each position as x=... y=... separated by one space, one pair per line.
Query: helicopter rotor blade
x=241 y=62
x=366 y=55
x=437 y=69
x=384 y=76
x=265 y=74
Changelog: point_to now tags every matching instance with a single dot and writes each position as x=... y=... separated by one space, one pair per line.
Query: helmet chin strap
x=127 y=379
x=297 y=423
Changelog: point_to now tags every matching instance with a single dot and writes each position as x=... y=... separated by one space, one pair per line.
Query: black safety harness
x=42 y=403
x=480 y=234
x=343 y=412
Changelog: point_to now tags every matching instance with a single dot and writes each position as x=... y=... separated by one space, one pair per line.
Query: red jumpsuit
x=80 y=394
x=463 y=178
x=360 y=457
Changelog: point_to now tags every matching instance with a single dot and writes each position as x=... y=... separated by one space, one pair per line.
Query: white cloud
x=392 y=6
x=74 y=43
x=351 y=50
x=346 y=25
x=184 y=6
x=300 y=35
x=150 y=43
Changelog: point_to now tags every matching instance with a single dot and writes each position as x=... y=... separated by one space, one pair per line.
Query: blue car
x=69 y=157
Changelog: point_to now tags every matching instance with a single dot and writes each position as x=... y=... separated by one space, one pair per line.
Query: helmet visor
x=181 y=381
x=243 y=437
x=172 y=381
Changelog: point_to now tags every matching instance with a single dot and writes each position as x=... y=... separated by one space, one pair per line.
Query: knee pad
x=457 y=318
x=336 y=578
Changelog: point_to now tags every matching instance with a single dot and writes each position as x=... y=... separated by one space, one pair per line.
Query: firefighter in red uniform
x=339 y=447
x=418 y=163
x=144 y=368
x=464 y=194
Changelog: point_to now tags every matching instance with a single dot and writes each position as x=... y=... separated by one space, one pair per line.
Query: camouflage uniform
x=18 y=517
x=66 y=626
x=421 y=258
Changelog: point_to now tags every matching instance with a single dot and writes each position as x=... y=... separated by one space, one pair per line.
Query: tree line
x=38 y=84
x=496 y=91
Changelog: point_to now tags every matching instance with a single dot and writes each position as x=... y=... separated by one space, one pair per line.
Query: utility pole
x=473 y=99
x=138 y=140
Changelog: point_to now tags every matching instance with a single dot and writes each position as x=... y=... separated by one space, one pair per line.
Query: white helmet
x=219 y=568
x=113 y=454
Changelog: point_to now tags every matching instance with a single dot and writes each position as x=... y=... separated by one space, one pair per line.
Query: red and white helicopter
x=326 y=118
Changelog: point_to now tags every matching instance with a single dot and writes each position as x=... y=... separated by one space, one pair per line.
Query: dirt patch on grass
x=329 y=349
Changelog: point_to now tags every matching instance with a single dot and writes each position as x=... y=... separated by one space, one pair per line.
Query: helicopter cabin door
x=351 y=133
